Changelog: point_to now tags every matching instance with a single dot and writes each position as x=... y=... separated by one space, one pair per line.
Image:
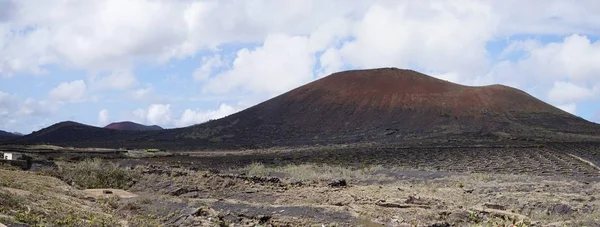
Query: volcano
x=132 y=126
x=389 y=105
x=386 y=105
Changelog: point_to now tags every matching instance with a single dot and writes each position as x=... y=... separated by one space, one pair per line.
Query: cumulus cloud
x=159 y=114
x=191 y=117
x=33 y=107
x=68 y=91
x=564 y=92
x=282 y=63
x=103 y=117
x=139 y=115
x=112 y=34
x=23 y=114
x=437 y=36
x=294 y=42
x=565 y=72
x=553 y=17
x=208 y=66
x=573 y=58
x=162 y=114
x=331 y=62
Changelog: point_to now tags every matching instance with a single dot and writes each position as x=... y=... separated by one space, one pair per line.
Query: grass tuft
x=313 y=172
x=94 y=173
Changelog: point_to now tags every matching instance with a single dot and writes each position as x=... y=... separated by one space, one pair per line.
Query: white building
x=12 y=156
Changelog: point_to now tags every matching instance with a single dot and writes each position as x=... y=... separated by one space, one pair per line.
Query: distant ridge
x=74 y=133
x=131 y=126
x=8 y=135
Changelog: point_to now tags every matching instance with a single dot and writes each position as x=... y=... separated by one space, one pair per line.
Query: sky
x=176 y=63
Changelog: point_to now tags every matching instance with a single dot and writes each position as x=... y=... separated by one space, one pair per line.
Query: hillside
x=7 y=135
x=377 y=105
x=77 y=134
x=388 y=105
x=132 y=126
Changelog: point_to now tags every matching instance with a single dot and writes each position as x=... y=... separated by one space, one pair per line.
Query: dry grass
x=312 y=172
x=94 y=173
x=460 y=199
x=38 y=200
x=45 y=201
x=146 y=154
x=45 y=147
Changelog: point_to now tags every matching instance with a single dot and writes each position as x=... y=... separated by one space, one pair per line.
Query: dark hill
x=131 y=126
x=378 y=105
x=77 y=134
x=7 y=135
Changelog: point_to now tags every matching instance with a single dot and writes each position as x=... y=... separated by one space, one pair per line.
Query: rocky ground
x=290 y=195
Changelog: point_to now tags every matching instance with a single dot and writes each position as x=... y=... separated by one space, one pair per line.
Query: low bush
x=94 y=173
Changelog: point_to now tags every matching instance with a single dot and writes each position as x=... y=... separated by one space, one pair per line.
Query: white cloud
x=139 y=116
x=329 y=33
x=159 y=114
x=544 y=67
x=191 y=117
x=282 y=63
x=573 y=58
x=298 y=41
x=570 y=107
x=439 y=36
x=68 y=91
x=117 y=80
x=565 y=92
x=162 y=114
x=23 y=114
x=31 y=107
x=331 y=62
x=208 y=66
x=103 y=117
x=551 y=17
x=113 y=34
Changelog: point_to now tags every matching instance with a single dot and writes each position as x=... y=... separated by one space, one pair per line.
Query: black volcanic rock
x=131 y=126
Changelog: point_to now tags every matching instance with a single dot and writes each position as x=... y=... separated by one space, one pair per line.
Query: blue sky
x=178 y=63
